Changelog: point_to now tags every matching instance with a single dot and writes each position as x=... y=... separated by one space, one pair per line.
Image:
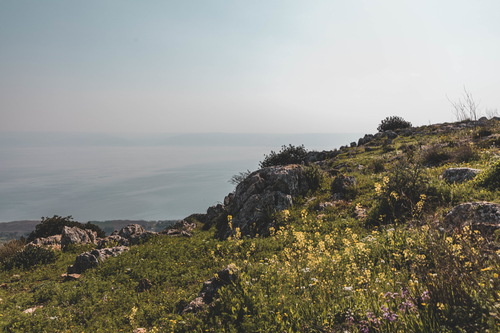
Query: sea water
x=130 y=182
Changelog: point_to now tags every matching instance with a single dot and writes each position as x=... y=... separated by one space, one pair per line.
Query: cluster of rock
x=180 y=228
x=260 y=194
x=92 y=259
x=459 y=175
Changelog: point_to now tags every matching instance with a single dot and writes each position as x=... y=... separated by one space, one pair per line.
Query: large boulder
x=91 y=259
x=262 y=192
x=76 y=235
x=479 y=215
x=212 y=213
x=211 y=287
x=459 y=175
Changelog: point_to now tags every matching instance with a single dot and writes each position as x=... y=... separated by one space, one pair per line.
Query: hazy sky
x=242 y=66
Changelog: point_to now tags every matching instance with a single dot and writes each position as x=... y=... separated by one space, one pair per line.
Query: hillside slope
x=371 y=244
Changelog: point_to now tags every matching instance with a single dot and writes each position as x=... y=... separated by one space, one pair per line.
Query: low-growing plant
x=30 y=256
x=315 y=176
x=490 y=178
x=436 y=154
x=287 y=155
x=393 y=123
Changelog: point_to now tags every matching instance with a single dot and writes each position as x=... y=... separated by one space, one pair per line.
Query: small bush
x=376 y=166
x=238 y=178
x=393 y=123
x=490 y=178
x=465 y=154
x=11 y=247
x=287 y=155
x=29 y=257
x=51 y=226
x=435 y=155
x=402 y=194
x=315 y=176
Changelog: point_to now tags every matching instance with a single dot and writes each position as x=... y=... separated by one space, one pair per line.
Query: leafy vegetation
x=393 y=123
x=395 y=270
x=287 y=155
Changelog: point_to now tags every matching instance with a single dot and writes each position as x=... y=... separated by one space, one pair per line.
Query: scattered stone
x=91 y=259
x=339 y=186
x=31 y=310
x=15 y=277
x=71 y=277
x=324 y=205
x=144 y=285
x=211 y=287
x=3 y=286
x=480 y=215
x=140 y=330
x=360 y=213
x=459 y=175
x=320 y=216
x=261 y=193
x=76 y=235
x=111 y=241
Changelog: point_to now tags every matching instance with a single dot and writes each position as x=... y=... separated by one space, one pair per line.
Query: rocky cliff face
x=261 y=193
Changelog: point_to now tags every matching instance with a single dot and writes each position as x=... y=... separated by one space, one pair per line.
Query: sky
x=255 y=66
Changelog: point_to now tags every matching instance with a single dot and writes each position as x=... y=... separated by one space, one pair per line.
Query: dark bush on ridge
x=11 y=247
x=393 y=123
x=51 y=226
x=287 y=155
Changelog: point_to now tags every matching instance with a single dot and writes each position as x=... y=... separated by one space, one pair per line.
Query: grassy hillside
x=379 y=260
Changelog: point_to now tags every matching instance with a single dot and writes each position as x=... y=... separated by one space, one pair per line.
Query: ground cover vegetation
x=394 y=270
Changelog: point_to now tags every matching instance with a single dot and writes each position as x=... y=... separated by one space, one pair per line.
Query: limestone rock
x=134 y=233
x=480 y=214
x=31 y=310
x=211 y=287
x=76 y=235
x=459 y=175
x=262 y=192
x=91 y=259
x=339 y=186
x=364 y=140
x=324 y=205
x=48 y=241
x=112 y=240
x=140 y=330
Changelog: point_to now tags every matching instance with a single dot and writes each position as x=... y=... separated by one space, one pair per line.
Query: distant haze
x=259 y=66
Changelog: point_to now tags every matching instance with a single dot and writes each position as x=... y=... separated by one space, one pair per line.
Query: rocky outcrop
x=459 y=175
x=211 y=287
x=111 y=241
x=76 y=235
x=324 y=205
x=480 y=215
x=340 y=185
x=135 y=233
x=262 y=192
x=48 y=241
x=180 y=228
x=91 y=259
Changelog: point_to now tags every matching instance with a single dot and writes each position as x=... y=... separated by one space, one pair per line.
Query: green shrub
x=393 y=123
x=315 y=176
x=435 y=155
x=28 y=257
x=490 y=178
x=287 y=155
x=51 y=226
x=402 y=194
